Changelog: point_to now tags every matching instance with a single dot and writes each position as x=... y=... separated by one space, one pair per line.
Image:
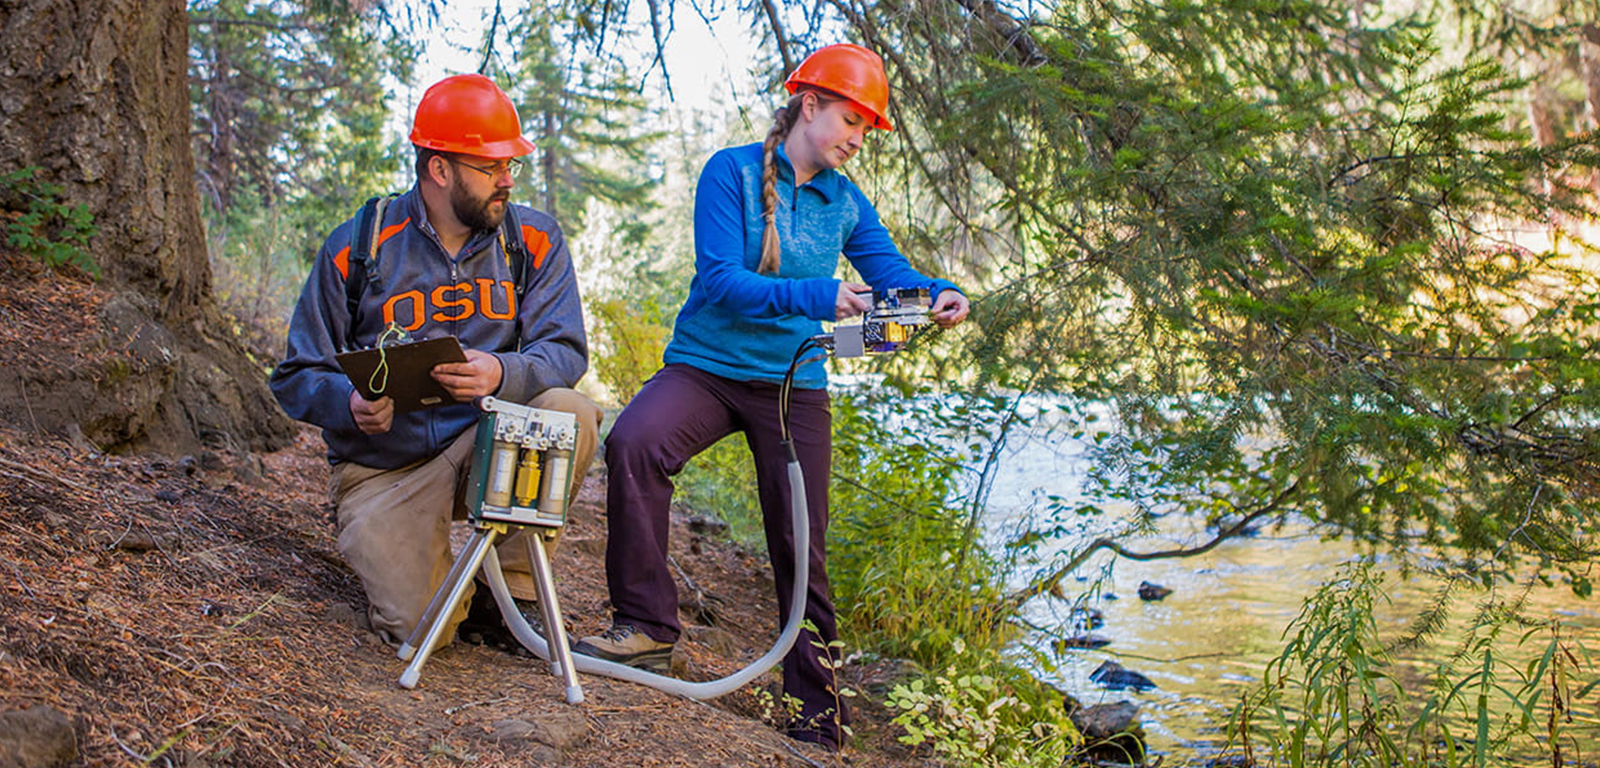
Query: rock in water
x=1111 y=732
x=1112 y=676
x=1087 y=618
x=1081 y=641
x=1151 y=591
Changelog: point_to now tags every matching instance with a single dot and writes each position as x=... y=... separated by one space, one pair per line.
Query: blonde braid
x=782 y=121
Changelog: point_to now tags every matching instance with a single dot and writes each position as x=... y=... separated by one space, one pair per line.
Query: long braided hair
x=783 y=121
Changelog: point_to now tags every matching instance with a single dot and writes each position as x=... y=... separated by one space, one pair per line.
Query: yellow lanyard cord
x=380 y=374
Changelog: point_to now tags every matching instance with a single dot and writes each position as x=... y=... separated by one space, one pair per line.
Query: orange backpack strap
x=522 y=243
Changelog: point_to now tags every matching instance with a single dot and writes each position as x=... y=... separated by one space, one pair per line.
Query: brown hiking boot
x=627 y=644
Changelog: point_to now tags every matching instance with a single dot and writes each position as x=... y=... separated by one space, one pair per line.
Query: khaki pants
x=394 y=524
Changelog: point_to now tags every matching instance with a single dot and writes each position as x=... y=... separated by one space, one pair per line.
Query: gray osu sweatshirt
x=415 y=284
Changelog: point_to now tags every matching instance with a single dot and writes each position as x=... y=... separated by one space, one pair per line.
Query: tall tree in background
x=94 y=95
x=1556 y=47
x=593 y=169
x=290 y=135
x=583 y=113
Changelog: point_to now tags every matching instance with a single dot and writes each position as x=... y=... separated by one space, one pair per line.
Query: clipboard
x=406 y=378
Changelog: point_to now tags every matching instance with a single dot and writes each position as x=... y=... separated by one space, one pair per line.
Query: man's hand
x=847 y=303
x=373 y=417
x=477 y=377
x=950 y=308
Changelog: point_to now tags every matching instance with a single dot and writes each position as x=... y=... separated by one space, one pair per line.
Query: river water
x=1214 y=635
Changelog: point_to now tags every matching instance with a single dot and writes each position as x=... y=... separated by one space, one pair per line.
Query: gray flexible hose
x=709 y=689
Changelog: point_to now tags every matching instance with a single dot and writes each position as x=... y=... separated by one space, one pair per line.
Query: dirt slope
x=193 y=611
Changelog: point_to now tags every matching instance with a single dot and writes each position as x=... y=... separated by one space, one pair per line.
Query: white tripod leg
x=561 y=650
x=481 y=544
x=409 y=648
x=556 y=649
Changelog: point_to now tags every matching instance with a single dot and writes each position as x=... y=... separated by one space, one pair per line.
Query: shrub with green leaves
x=910 y=575
x=629 y=335
x=972 y=718
x=1337 y=697
x=38 y=221
x=907 y=573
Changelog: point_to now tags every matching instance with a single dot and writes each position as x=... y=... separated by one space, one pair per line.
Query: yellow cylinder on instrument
x=527 y=486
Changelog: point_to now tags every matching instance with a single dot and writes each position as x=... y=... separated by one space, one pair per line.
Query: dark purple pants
x=680 y=412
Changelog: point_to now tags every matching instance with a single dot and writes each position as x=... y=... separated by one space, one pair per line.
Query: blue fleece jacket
x=414 y=282
x=746 y=326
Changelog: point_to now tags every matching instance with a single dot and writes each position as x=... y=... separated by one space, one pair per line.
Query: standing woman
x=770 y=221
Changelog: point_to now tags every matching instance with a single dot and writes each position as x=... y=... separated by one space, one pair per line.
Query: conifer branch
x=280 y=26
x=660 y=39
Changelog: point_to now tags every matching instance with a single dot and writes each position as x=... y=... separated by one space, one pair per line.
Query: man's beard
x=475 y=213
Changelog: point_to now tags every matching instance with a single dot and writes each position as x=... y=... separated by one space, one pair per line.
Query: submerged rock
x=1081 y=641
x=1087 y=618
x=1152 y=591
x=1113 y=676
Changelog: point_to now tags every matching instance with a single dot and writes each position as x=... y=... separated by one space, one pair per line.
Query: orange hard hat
x=850 y=71
x=471 y=115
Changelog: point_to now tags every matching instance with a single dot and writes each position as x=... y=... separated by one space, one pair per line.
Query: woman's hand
x=478 y=376
x=847 y=303
x=950 y=308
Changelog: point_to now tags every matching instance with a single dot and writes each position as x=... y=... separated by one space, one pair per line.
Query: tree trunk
x=96 y=93
x=549 y=159
x=1589 y=54
x=1541 y=120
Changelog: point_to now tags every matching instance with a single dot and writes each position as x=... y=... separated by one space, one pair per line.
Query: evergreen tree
x=582 y=111
x=289 y=108
x=1275 y=240
x=1314 y=271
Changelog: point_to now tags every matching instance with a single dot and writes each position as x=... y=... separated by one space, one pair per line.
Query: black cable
x=788 y=380
x=823 y=342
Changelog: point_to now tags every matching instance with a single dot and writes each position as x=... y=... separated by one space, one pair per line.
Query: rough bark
x=1589 y=59
x=1589 y=54
x=95 y=93
x=1541 y=118
x=91 y=90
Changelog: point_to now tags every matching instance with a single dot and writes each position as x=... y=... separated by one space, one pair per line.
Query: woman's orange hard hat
x=850 y=71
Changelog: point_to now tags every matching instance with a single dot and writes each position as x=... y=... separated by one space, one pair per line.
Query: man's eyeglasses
x=514 y=167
